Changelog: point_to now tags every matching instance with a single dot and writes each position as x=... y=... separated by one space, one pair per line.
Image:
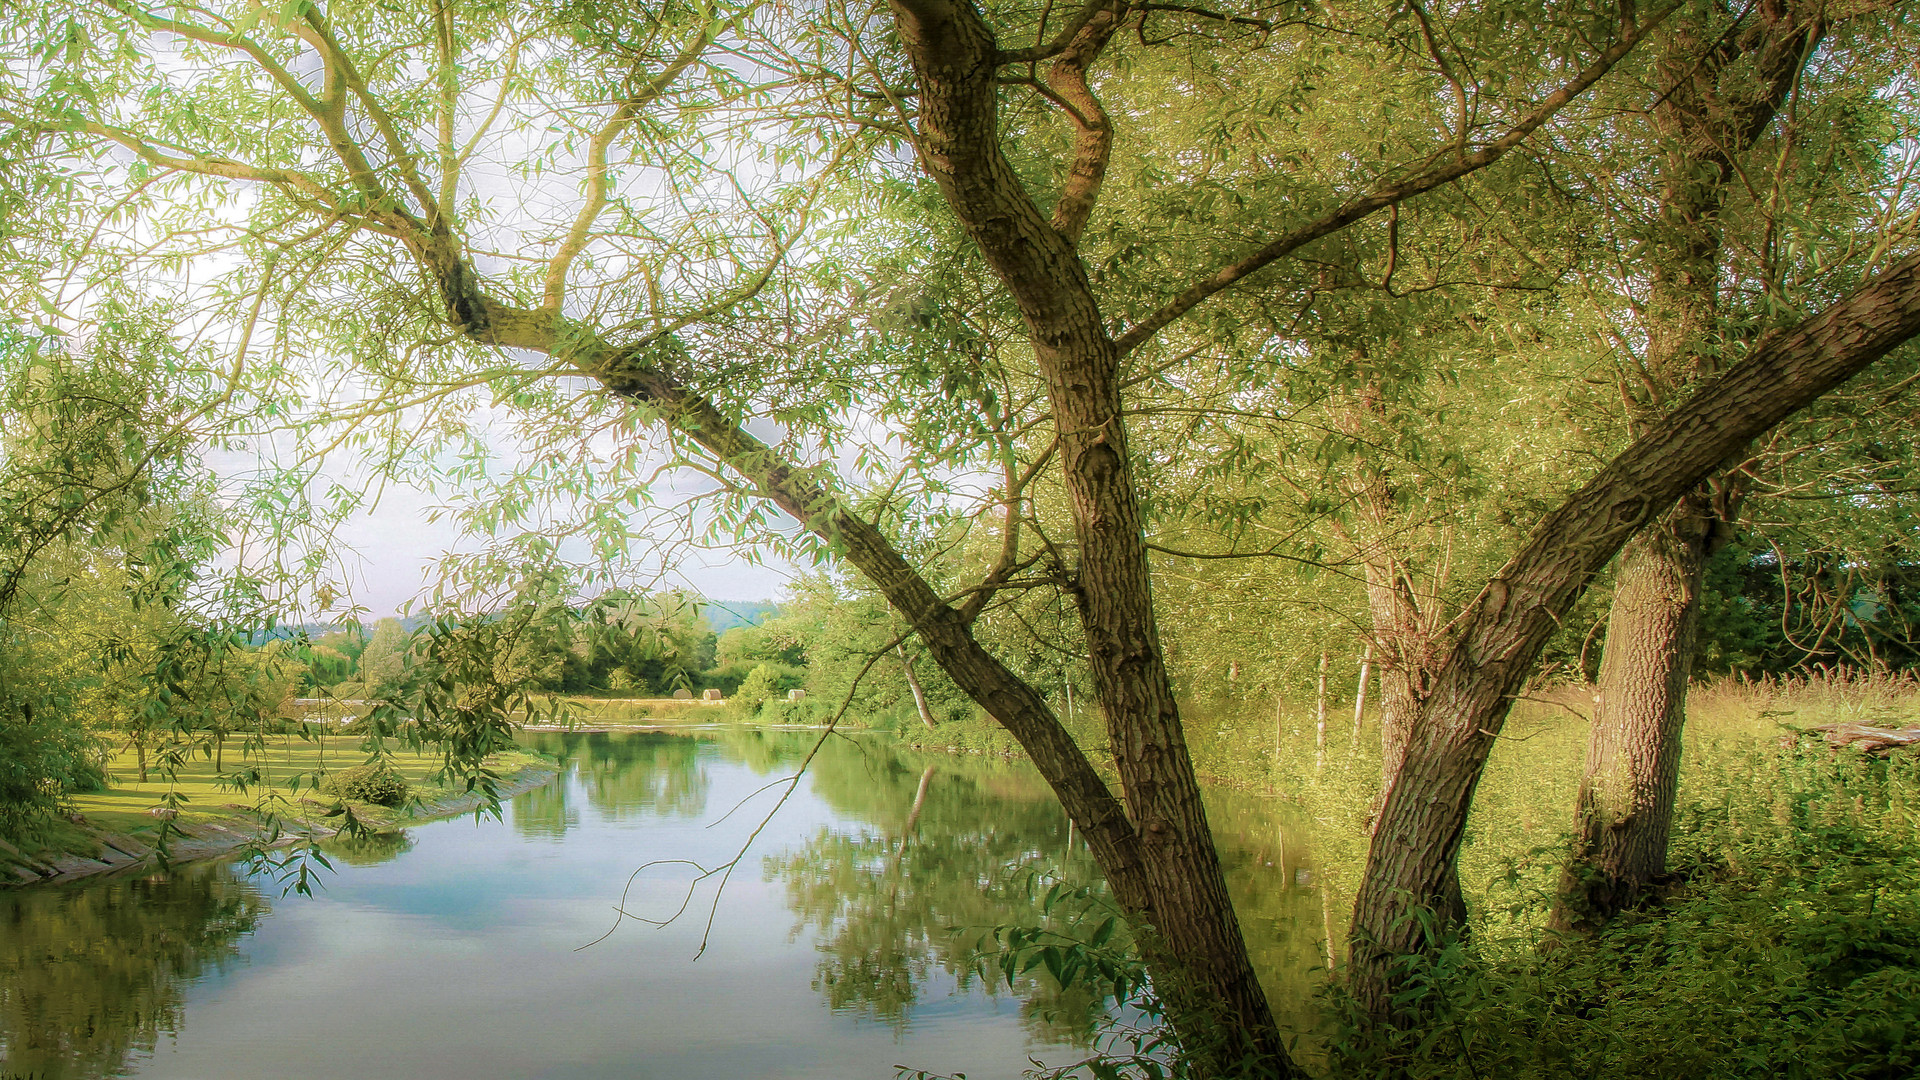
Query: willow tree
x=1729 y=176
x=600 y=217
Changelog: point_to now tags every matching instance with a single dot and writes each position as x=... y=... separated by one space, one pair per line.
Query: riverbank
x=118 y=828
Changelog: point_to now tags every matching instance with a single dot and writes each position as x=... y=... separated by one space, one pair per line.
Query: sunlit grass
x=1523 y=811
x=278 y=771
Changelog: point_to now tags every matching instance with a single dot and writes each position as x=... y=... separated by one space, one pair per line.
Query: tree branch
x=1390 y=193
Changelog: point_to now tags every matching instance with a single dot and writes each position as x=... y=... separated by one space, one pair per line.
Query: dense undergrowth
x=1788 y=947
x=1786 y=944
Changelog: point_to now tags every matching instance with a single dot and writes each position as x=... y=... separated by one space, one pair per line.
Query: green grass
x=1792 y=950
x=277 y=775
x=613 y=712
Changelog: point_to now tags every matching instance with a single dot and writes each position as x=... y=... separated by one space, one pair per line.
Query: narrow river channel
x=479 y=950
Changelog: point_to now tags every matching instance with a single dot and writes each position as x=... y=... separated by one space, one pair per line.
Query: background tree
x=1709 y=265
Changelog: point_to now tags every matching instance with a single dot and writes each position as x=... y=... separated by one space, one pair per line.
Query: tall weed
x=1791 y=948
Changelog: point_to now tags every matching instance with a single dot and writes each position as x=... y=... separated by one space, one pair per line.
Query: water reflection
x=1286 y=915
x=626 y=775
x=923 y=845
x=459 y=942
x=932 y=845
x=369 y=850
x=94 y=973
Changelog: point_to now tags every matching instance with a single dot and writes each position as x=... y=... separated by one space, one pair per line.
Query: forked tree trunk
x=1498 y=640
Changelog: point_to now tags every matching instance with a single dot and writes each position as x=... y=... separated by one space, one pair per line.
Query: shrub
x=755 y=690
x=44 y=757
x=376 y=783
x=1789 y=948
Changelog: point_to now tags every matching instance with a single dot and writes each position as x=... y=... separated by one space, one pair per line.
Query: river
x=461 y=949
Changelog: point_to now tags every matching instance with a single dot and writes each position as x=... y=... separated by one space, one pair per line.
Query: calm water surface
x=461 y=949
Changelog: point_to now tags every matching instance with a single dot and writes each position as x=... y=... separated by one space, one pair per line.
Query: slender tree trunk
x=1360 y=695
x=1320 y=707
x=913 y=684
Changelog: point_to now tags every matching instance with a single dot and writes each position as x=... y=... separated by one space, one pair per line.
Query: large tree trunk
x=1498 y=640
x=1624 y=810
x=1202 y=968
x=1625 y=805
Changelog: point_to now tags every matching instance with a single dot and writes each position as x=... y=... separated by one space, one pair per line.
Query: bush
x=755 y=690
x=376 y=783
x=44 y=757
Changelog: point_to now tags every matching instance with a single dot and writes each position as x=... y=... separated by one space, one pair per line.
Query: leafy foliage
x=375 y=782
x=1789 y=945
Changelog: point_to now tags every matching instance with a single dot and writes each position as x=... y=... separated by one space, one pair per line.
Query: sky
x=389 y=557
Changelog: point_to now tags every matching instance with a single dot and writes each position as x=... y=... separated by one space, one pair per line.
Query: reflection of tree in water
x=94 y=973
x=1286 y=912
x=628 y=774
x=952 y=845
x=543 y=813
x=369 y=850
x=762 y=750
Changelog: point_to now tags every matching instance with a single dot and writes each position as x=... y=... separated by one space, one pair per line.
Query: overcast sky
x=395 y=548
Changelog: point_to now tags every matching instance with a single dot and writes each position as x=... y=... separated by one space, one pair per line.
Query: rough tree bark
x=1498 y=639
x=1624 y=810
x=1196 y=940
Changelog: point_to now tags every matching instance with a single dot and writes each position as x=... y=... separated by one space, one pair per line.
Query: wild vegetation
x=1117 y=360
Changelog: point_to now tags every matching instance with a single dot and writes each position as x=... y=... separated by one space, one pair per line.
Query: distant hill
x=724 y=615
x=315 y=630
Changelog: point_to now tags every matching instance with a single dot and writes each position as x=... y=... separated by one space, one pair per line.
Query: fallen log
x=1877 y=741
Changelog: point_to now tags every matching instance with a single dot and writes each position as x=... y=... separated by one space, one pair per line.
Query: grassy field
x=276 y=775
x=617 y=711
x=284 y=767
x=1523 y=809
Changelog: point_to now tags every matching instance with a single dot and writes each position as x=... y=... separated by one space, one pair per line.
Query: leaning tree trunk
x=1625 y=805
x=1624 y=811
x=1498 y=639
